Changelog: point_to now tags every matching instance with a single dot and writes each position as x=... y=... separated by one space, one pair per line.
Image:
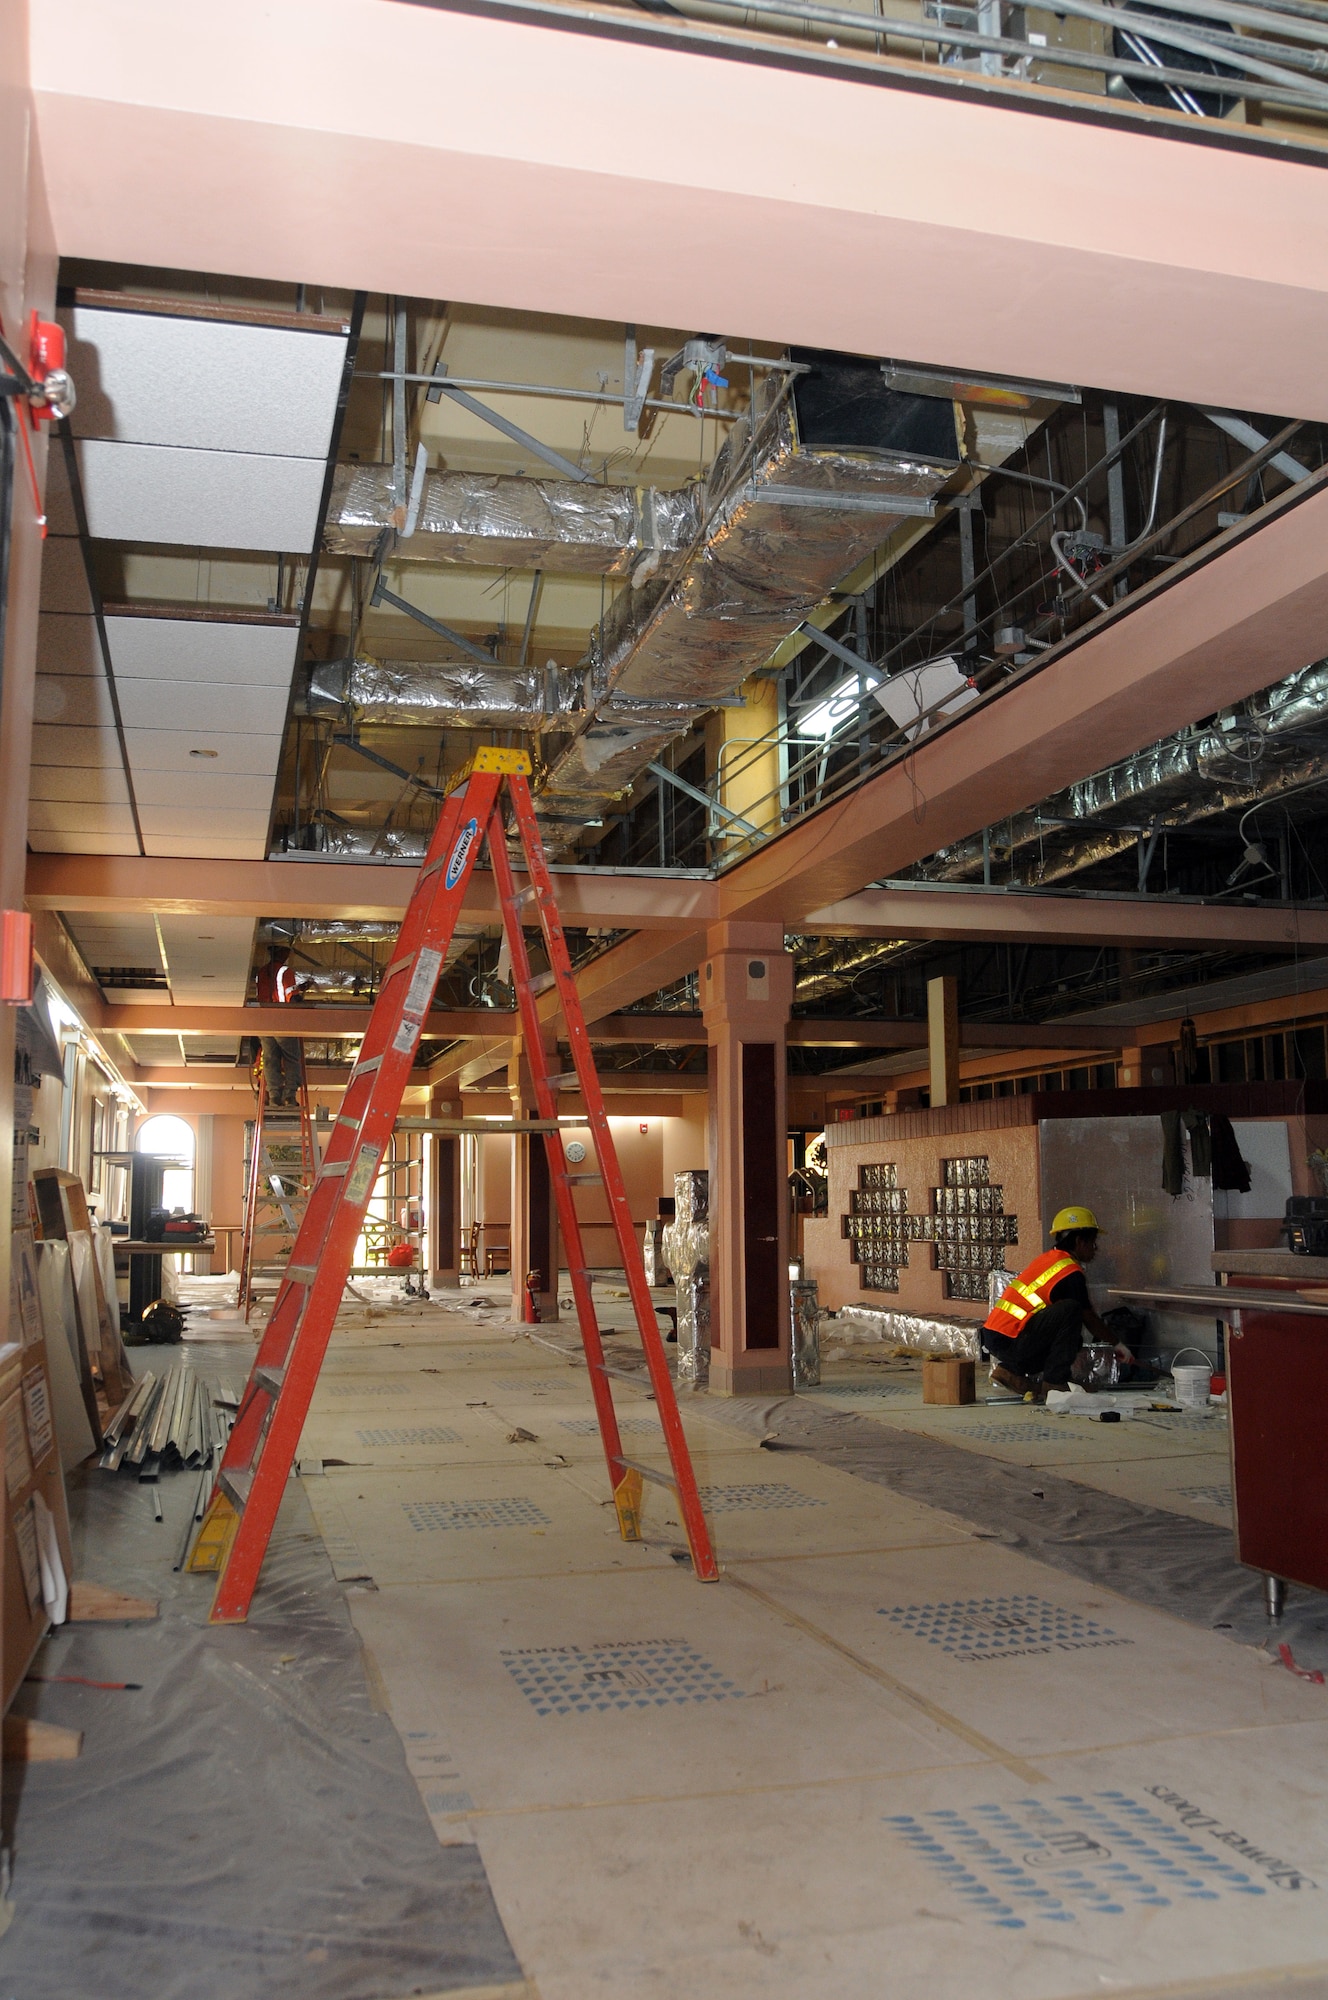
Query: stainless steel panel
x=1114 y=1165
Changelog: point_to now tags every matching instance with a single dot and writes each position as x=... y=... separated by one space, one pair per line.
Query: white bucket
x=1191 y=1382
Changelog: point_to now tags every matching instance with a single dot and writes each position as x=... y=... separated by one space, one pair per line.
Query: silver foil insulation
x=686 y=1246
x=501 y=521
x=921 y=1333
x=783 y=525
x=452 y=694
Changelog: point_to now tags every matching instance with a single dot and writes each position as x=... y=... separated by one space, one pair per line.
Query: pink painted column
x=746 y=993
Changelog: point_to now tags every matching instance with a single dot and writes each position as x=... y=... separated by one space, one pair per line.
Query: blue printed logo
x=460 y=853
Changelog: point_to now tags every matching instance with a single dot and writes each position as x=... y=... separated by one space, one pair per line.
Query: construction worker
x=277 y=987
x=1036 y=1328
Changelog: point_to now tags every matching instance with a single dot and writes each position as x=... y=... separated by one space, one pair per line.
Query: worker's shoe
x=1009 y=1380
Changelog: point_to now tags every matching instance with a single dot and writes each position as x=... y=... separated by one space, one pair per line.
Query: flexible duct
x=501 y=522
x=451 y=694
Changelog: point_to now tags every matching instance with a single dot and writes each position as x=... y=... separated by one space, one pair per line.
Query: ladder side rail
x=689 y=1499
x=308 y=1150
x=250 y=1208
x=393 y=1034
x=546 y=1101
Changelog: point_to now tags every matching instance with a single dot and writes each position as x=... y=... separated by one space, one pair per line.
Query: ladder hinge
x=236 y=1485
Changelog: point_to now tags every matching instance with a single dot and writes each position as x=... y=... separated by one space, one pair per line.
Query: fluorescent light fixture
x=838 y=708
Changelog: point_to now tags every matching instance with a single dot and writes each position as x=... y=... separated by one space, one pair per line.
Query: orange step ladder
x=280 y=1173
x=251 y=1480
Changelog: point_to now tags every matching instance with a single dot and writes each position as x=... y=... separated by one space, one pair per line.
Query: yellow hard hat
x=1074 y=1218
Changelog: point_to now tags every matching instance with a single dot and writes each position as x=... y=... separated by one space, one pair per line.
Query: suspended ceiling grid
x=198 y=433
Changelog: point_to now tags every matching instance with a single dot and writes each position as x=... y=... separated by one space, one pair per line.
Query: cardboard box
x=947 y=1378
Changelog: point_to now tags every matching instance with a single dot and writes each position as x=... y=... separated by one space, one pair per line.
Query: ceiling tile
x=78 y=698
x=204 y=499
x=190 y=819
x=192 y=649
x=222 y=386
x=195 y=705
x=67 y=643
x=203 y=786
x=64 y=581
x=170 y=750
x=68 y=745
x=83 y=843
x=204 y=847
x=79 y=816
x=58 y=781
x=60 y=516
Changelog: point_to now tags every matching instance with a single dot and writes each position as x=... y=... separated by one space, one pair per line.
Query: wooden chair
x=470 y=1252
x=497 y=1259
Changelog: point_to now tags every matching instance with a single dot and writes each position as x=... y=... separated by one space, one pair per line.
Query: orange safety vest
x=1029 y=1292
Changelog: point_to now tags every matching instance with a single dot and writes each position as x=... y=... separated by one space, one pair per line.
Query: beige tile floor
x=882 y=1756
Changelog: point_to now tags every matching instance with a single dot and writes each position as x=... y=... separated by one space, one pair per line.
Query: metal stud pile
x=171 y=1421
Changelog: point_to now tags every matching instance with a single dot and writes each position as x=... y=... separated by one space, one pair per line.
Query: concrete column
x=534 y=1210
x=943 y=1039
x=746 y=993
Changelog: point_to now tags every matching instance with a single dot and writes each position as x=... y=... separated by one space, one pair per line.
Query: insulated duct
x=507 y=522
x=452 y=694
x=1253 y=750
x=787 y=515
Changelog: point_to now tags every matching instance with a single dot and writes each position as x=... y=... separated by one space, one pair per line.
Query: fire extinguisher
x=533 y=1283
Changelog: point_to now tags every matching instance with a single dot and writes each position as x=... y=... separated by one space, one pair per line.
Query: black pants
x=1046 y=1345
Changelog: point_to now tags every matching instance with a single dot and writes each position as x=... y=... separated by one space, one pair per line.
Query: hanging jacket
x=1029 y=1292
x=1230 y=1169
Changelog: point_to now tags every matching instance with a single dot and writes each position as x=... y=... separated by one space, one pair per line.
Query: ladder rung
x=397 y=965
x=569 y=1080
x=270 y=1378
x=542 y=981
x=526 y=895
x=583 y=1180
x=332 y=1168
x=363 y=1069
x=353 y=1124
x=302 y=1274
x=236 y=1484
x=648 y=1472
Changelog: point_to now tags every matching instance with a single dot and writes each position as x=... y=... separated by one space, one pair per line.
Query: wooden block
x=94 y=1601
x=948 y=1378
x=27 y=1741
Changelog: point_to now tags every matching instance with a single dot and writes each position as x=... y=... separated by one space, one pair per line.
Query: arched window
x=175 y=1139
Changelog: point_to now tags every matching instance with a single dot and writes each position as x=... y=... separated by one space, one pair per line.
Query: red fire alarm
x=16 y=961
x=54 y=395
x=645 y=1127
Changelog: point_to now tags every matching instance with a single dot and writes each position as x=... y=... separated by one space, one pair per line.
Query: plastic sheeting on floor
x=1151 y=1554
x=244 y=1825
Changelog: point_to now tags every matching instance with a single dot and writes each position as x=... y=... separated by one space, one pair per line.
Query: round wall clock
x=576 y=1152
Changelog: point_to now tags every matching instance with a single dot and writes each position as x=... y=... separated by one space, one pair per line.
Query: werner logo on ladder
x=243 y=1509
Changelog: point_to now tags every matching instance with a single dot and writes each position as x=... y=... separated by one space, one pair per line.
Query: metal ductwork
x=829 y=474
x=832 y=963
x=501 y=522
x=364 y=843
x=451 y=694
x=1273 y=741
